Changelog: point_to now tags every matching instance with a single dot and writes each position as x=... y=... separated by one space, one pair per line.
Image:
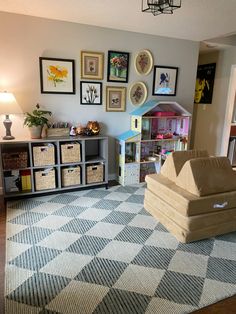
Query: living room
x=30 y=31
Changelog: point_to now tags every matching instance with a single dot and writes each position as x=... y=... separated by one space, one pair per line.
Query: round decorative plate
x=138 y=93
x=143 y=62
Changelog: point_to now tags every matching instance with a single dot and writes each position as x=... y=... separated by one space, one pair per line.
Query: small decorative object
x=73 y=131
x=90 y=93
x=205 y=83
x=36 y=120
x=143 y=62
x=138 y=93
x=115 y=98
x=157 y=7
x=92 y=65
x=80 y=129
x=118 y=66
x=57 y=76
x=164 y=81
x=58 y=129
x=94 y=127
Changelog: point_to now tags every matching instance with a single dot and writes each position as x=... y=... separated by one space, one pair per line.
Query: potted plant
x=36 y=120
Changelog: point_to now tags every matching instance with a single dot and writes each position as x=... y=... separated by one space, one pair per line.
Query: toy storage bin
x=70 y=152
x=58 y=132
x=15 y=160
x=45 y=179
x=70 y=176
x=94 y=173
x=44 y=155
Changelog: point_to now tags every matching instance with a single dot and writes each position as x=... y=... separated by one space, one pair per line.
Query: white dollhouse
x=157 y=129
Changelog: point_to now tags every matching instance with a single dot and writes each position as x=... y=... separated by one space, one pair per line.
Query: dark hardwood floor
x=227 y=306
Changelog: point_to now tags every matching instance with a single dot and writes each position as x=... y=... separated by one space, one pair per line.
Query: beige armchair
x=194 y=196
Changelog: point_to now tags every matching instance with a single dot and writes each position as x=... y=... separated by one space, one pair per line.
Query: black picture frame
x=205 y=83
x=164 y=80
x=90 y=93
x=117 y=66
x=57 y=76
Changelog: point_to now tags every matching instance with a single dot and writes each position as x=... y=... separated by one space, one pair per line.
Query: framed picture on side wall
x=164 y=80
x=205 y=83
x=92 y=65
x=57 y=76
x=90 y=93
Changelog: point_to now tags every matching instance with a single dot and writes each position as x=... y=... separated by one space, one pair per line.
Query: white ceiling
x=196 y=20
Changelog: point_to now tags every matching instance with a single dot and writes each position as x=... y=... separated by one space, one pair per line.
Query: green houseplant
x=36 y=120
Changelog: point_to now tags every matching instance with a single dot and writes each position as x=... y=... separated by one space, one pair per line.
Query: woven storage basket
x=70 y=152
x=70 y=176
x=44 y=155
x=94 y=173
x=45 y=179
x=15 y=160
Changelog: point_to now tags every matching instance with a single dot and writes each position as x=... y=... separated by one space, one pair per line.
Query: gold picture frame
x=137 y=93
x=92 y=65
x=115 y=98
x=143 y=62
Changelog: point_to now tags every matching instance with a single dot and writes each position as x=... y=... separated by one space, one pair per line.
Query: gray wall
x=24 y=39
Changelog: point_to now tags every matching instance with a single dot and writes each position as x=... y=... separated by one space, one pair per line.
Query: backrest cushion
x=175 y=161
x=206 y=176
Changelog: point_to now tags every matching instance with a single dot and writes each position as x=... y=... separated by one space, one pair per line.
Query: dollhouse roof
x=127 y=135
x=153 y=105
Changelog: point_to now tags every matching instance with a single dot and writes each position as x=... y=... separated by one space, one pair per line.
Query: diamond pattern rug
x=99 y=251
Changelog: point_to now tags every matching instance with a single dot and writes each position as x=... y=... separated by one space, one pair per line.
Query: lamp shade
x=8 y=104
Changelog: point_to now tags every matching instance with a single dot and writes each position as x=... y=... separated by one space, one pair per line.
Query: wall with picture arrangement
x=24 y=39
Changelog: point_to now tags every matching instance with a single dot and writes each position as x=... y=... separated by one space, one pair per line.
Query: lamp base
x=7 y=123
x=8 y=137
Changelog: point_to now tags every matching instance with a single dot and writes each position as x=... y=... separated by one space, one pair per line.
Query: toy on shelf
x=157 y=129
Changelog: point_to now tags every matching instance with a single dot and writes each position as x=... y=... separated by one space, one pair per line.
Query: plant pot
x=36 y=131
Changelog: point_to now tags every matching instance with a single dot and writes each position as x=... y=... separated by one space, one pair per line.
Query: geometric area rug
x=100 y=251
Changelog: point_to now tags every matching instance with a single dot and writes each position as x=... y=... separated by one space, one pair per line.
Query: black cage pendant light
x=157 y=7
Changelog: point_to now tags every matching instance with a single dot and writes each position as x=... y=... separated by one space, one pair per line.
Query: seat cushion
x=175 y=161
x=185 y=202
x=190 y=223
x=207 y=176
x=184 y=235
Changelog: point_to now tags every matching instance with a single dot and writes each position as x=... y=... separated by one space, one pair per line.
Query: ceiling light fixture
x=157 y=7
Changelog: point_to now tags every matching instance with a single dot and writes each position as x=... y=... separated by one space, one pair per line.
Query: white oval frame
x=145 y=93
x=150 y=59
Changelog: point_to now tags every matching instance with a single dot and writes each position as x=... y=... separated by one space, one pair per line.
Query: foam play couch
x=194 y=196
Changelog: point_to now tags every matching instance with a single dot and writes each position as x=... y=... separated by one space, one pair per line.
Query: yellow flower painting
x=57 y=74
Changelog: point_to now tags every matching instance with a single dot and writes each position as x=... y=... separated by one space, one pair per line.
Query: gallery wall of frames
x=83 y=72
x=57 y=76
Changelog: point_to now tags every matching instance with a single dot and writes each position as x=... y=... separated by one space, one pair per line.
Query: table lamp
x=8 y=105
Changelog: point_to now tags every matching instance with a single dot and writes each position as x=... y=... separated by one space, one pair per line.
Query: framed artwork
x=57 y=76
x=118 y=66
x=143 y=62
x=90 y=93
x=164 y=80
x=205 y=83
x=115 y=98
x=138 y=93
x=92 y=65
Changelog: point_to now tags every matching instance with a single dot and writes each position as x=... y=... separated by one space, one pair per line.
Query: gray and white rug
x=99 y=251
